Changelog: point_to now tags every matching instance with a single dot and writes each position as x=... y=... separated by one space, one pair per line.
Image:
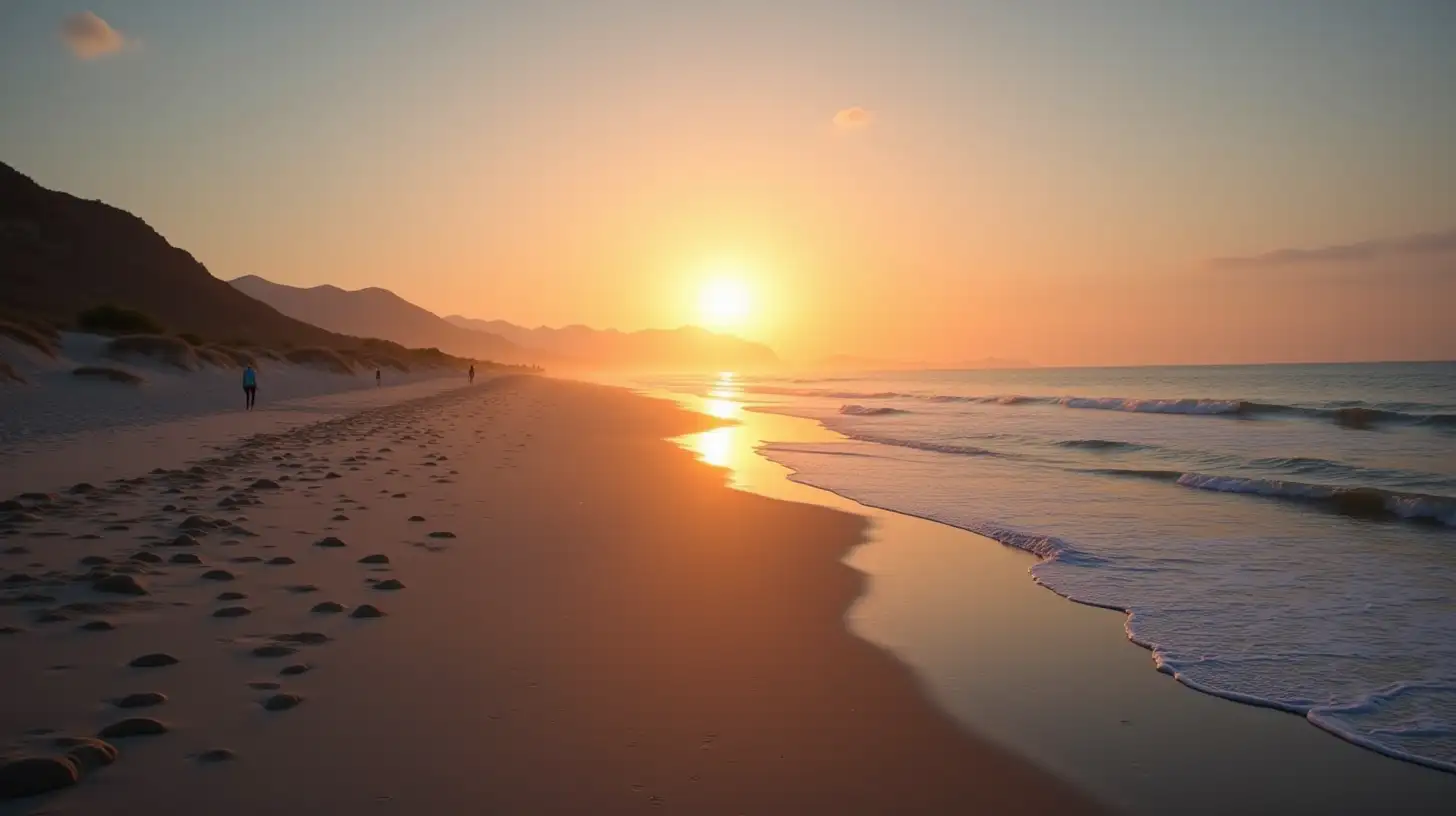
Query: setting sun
x=724 y=303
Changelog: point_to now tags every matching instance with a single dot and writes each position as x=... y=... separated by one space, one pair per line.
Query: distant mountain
x=686 y=348
x=381 y=313
x=60 y=255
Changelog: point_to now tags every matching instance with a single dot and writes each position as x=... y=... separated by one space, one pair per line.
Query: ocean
x=1279 y=535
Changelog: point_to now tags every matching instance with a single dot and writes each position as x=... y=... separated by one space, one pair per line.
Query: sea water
x=1278 y=535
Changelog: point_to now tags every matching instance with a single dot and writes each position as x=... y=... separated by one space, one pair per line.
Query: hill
x=380 y=313
x=60 y=254
x=688 y=347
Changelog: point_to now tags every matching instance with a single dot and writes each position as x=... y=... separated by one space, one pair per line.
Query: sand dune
x=512 y=598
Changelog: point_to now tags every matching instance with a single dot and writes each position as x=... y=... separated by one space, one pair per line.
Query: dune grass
x=322 y=358
x=172 y=351
x=8 y=374
x=30 y=335
x=117 y=320
x=115 y=375
x=228 y=356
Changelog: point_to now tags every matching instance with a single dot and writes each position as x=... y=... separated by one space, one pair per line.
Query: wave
x=933 y=447
x=1359 y=502
x=1101 y=445
x=1353 y=414
x=862 y=410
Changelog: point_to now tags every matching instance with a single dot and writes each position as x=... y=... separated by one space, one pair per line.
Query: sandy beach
x=515 y=597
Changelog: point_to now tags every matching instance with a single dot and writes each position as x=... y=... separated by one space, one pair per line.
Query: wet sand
x=1059 y=682
x=512 y=598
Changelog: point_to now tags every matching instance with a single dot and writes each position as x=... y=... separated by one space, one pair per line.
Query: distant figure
x=377 y=378
x=250 y=388
x=472 y=372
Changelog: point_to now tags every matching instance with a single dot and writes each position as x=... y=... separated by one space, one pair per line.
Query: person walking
x=378 y=377
x=472 y=373
x=250 y=388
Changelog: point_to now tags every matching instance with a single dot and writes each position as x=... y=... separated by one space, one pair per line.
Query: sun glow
x=725 y=303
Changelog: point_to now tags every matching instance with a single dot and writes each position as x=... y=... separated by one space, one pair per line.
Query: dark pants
x=250 y=394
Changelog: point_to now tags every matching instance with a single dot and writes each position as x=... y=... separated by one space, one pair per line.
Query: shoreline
x=590 y=620
x=1143 y=752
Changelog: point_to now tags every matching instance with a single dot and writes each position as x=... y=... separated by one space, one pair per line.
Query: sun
x=725 y=303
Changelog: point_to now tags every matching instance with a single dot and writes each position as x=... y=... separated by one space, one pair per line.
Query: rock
x=231 y=596
x=366 y=611
x=154 y=660
x=442 y=534
x=374 y=559
x=331 y=541
x=33 y=776
x=294 y=670
x=98 y=626
x=274 y=650
x=216 y=755
x=145 y=557
x=232 y=612
x=143 y=699
x=282 y=702
x=217 y=575
x=185 y=558
x=389 y=586
x=133 y=727
x=281 y=561
x=328 y=608
x=119 y=585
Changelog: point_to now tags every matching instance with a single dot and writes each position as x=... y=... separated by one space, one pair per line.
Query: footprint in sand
x=154 y=660
x=281 y=561
x=185 y=558
x=389 y=585
x=98 y=626
x=218 y=575
x=377 y=558
x=330 y=542
x=231 y=596
x=144 y=699
x=119 y=584
x=328 y=608
x=274 y=650
x=133 y=727
x=216 y=755
x=365 y=611
x=232 y=612
x=282 y=702
x=442 y=534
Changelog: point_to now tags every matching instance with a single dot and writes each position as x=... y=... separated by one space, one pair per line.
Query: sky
x=1067 y=183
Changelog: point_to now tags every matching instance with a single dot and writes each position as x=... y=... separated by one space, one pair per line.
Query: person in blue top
x=250 y=387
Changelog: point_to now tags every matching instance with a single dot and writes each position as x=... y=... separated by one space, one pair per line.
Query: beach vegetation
x=172 y=351
x=110 y=319
x=30 y=335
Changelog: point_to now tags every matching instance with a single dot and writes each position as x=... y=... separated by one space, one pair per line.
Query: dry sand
x=586 y=621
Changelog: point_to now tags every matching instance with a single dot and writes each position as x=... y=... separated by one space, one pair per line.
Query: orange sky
x=978 y=179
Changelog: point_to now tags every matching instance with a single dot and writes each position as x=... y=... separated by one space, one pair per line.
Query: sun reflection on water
x=719 y=446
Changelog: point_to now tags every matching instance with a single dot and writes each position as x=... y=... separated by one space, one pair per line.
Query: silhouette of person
x=472 y=372
x=250 y=388
x=378 y=381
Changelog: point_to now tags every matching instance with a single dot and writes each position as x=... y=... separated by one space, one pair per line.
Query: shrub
x=172 y=351
x=9 y=374
x=108 y=319
x=115 y=375
x=28 y=335
x=235 y=357
x=326 y=359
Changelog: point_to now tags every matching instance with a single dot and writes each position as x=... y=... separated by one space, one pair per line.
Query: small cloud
x=1408 y=246
x=90 y=37
x=853 y=118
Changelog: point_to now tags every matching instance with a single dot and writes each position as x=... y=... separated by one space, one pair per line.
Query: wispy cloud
x=90 y=37
x=853 y=118
x=1408 y=246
